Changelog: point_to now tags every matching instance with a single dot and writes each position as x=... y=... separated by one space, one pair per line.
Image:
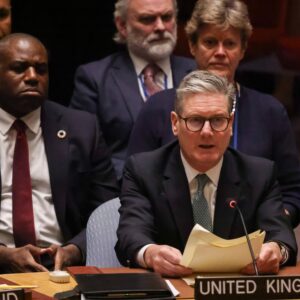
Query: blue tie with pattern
x=200 y=205
x=149 y=72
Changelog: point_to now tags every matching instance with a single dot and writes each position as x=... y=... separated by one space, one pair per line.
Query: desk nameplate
x=13 y=294
x=247 y=287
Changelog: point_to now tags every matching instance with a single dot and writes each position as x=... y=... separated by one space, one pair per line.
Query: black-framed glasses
x=196 y=123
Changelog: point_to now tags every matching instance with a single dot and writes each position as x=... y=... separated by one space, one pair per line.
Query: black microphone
x=233 y=204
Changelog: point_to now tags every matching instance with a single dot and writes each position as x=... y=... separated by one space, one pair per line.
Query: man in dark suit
x=161 y=189
x=114 y=88
x=65 y=174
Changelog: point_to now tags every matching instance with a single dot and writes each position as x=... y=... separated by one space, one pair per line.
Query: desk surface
x=46 y=288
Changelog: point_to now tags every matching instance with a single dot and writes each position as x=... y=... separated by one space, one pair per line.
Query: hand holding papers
x=206 y=252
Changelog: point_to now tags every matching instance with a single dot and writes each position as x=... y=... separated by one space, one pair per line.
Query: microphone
x=233 y=204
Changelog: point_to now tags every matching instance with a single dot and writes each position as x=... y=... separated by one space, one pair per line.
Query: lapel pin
x=61 y=134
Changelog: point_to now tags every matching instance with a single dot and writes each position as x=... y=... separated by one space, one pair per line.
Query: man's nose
x=31 y=75
x=206 y=129
x=159 y=24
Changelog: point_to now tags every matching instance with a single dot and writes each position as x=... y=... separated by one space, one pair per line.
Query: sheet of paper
x=172 y=288
x=190 y=280
x=208 y=253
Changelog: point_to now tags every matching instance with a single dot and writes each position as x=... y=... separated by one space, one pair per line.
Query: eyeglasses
x=196 y=123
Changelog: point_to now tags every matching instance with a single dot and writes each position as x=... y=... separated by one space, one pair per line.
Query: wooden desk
x=46 y=288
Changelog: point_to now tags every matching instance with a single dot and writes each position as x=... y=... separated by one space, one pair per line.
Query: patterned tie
x=200 y=205
x=23 y=219
x=149 y=74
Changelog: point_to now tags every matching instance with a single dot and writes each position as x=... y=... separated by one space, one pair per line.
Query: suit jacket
x=81 y=173
x=156 y=205
x=109 y=89
x=262 y=126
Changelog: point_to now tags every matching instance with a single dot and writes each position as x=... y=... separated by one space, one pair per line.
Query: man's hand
x=23 y=259
x=65 y=256
x=165 y=260
x=268 y=261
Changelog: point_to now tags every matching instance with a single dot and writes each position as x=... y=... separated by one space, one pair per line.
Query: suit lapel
x=177 y=192
x=125 y=77
x=56 y=146
x=179 y=70
x=229 y=187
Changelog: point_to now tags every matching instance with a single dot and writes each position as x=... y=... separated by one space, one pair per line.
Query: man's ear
x=121 y=26
x=174 y=121
x=231 y=123
x=192 y=48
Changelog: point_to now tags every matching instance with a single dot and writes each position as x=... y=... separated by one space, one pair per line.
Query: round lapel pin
x=61 y=134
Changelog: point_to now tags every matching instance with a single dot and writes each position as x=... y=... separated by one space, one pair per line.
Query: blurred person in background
x=116 y=87
x=5 y=18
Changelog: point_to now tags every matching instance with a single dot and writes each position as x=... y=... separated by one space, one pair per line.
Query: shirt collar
x=213 y=173
x=140 y=63
x=32 y=120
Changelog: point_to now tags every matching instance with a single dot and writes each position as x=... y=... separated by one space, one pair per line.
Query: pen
x=7 y=286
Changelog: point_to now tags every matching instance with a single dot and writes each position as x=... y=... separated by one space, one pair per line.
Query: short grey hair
x=222 y=13
x=198 y=82
x=121 y=9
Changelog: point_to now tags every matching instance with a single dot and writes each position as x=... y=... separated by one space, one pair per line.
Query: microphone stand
x=248 y=240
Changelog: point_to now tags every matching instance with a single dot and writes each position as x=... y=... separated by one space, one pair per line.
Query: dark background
x=78 y=32
x=74 y=32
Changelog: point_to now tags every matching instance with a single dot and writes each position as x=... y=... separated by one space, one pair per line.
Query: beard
x=154 y=47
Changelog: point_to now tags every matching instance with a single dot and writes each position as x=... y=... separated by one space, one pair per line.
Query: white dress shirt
x=210 y=193
x=164 y=79
x=47 y=230
x=210 y=189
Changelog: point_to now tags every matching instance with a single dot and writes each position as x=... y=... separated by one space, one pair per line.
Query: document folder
x=207 y=253
x=123 y=286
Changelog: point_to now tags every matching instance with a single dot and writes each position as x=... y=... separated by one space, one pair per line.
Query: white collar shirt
x=47 y=229
x=164 y=78
x=210 y=189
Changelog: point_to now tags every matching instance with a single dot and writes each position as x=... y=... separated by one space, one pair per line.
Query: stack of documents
x=208 y=253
